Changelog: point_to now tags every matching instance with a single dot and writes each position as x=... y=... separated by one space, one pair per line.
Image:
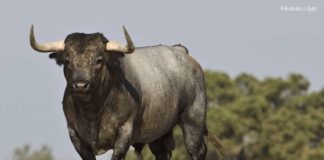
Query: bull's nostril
x=81 y=85
x=86 y=86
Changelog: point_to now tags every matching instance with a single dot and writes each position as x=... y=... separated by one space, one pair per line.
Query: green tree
x=221 y=89
x=25 y=153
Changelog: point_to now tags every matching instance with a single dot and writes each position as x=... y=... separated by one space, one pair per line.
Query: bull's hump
x=181 y=48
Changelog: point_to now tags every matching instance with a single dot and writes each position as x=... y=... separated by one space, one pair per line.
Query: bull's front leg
x=85 y=151
x=123 y=141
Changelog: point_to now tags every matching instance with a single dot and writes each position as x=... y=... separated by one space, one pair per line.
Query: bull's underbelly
x=156 y=123
x=152 y=133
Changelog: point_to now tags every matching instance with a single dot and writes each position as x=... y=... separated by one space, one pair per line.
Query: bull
x=119 y=96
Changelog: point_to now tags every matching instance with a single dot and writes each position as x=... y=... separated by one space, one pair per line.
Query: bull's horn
x=57 y=46
x=115 y=46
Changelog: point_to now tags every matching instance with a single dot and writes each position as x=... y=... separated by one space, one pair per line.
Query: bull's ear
x=59 y=58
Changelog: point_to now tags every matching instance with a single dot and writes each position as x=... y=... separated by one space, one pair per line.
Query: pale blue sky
x=233 y=36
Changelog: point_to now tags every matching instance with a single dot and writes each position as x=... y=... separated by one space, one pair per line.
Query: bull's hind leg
x=193 y=125
x=162 y=148
x=193 y=133
x=194 y=141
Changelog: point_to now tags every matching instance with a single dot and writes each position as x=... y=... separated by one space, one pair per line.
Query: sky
x=260 y=37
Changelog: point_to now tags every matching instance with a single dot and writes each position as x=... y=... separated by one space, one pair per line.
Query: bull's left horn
x=57 y=46
x=115 y=46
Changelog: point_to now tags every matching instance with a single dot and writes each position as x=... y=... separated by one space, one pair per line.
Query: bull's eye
x=99 y=60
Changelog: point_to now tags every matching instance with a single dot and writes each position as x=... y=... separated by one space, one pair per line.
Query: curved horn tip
x=124 y=28
x=32 y=39
x=130 y=44
x=45 y=47
x=32 y=30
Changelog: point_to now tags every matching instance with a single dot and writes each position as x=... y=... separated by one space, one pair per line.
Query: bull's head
x=84 y=57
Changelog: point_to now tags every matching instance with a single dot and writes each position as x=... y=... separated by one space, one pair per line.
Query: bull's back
x=165 y=78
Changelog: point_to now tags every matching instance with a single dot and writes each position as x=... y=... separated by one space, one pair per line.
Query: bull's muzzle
x=81 y=87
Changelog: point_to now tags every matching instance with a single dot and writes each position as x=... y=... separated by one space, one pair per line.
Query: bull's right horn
x=57 y=46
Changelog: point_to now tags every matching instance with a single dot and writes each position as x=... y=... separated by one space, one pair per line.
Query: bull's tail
x=216 y=142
